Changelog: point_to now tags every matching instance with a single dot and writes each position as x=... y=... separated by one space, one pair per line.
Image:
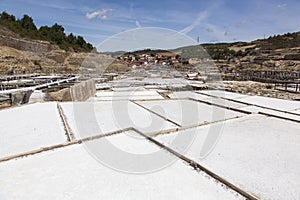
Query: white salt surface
x=121 y=89
x=255 y=109
x=273 y=103
x=71 y=173
x=188 y=112
x=296 y=111
x=280 y=104
x=126 y=95
x=30 y=127
x=187 y=94
x=223 y=94
x=201 y=97
x=93 y=118
x=167 y=81
x=151 y=87
x=131 y=97
x=226 y=103
x=134 y=144
x=259 y=154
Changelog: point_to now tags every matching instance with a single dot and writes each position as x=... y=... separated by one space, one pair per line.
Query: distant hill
x=114 y=53
x=223 y=51
x=25 y=28
x=140 y=52
x=288 y=40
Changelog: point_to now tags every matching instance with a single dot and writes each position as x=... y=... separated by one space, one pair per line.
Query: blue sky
x=212 y=21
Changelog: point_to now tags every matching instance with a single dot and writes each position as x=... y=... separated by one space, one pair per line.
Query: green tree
x=5 y=16
x=71 y=39
x=80 y=41
x=44 y=32
x=57 y=34
x=27 y=23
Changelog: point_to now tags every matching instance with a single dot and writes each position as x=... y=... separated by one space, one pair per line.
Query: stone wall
x=78 y=92
x=84 y=90
x=25 y=45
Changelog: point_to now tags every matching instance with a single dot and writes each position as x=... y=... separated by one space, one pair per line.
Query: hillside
x=25 y=28
x=276 y=53
x=22 y=55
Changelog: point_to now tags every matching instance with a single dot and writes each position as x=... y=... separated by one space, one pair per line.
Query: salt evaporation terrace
x=43 y=154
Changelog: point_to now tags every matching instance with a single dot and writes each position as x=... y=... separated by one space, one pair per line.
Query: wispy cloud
x=102 y=14
x=281 y=6
x=201 y=17
x=133 y=15
x=210 y=30
x=137 y=23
